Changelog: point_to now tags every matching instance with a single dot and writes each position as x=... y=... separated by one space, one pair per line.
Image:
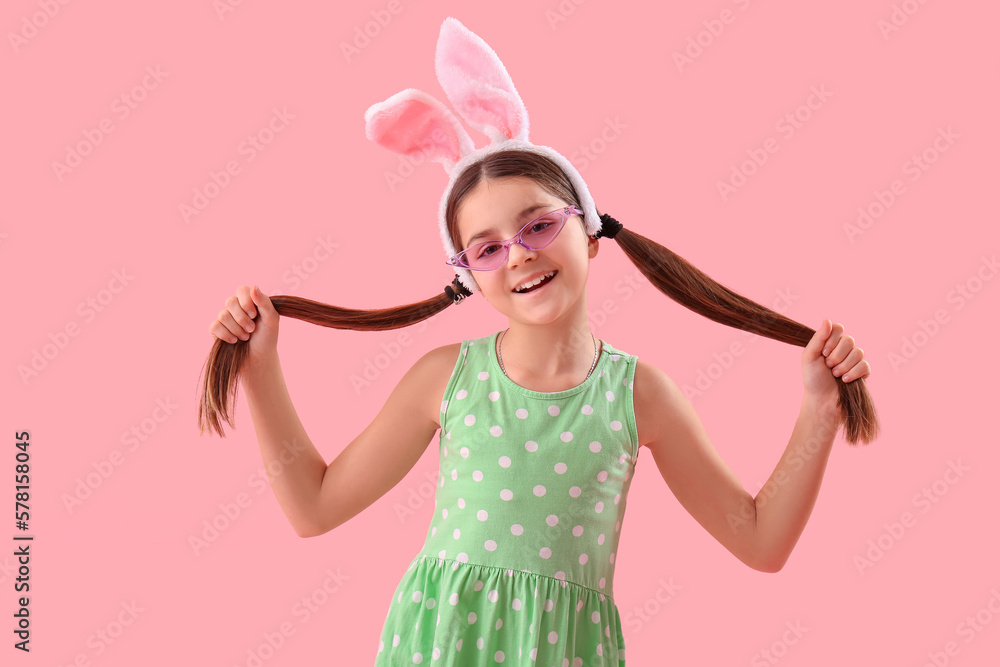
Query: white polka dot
x=417 y=595
x=494 y=395
x=599 y=507
x=462 y=557
x=560 y=575
x=574 y=491
x=470 y=420
x=596 y=617
x=583 y=559
x=417 y=658
x=565 y=436
x=461 y=394
x=506 y=494
x=395 y=640
x=552 y=519
x=531 y=446
x=504 y=461
x=496 y=431
x=433 y=530
x=521 y=413
x=517 y=529
x=554 y=410
x=464 y=451
x=490 y=545
x=553 y=637
x=539 y=490
x=457 y=533
x=454 y=475
x=444 y=513
x=610 y=395
x=618 y=497
x=482 y=515
x=545 y=552
x=430 y=603
x=587 y=410
x=600 y=538
x=601 y=582
x=444 y=406
x=630 y=384
x=601 y=476
x=600 y=649
x=453 y=599
x=498 y=656
x=549 y=605
x=532 y=653
x=436 y=653
x=493 y=596
x=472 y=617
x=616 y=425
x=483 y=375
x=458 y=645
x=477 y=475
x=595 y=446
x=618 y=524
x=516 y=604
x=478 y=586
x=615 y=357
x=579 y=606
x=461 y=503
x=578 y=530
x=612 y=559
x=560 y=468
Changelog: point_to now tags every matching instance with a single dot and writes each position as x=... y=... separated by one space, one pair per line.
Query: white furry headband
x=415 y=124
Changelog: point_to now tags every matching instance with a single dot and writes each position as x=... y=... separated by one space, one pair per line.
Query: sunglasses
x=491 y=255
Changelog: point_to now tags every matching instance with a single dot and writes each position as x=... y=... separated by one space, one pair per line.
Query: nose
x=517 y=253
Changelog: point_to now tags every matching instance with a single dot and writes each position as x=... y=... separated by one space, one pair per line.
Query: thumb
x=263 y=303
x=814 y=348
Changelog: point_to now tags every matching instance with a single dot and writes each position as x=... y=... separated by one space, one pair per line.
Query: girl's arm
x=315 y=497
x=761 y=531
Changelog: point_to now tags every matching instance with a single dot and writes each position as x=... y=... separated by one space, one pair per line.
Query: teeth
x=521 y=288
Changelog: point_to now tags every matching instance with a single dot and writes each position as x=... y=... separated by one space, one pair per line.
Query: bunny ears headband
x=415 y=124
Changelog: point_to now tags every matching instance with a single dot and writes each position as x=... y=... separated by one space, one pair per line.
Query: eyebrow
x=492 y=230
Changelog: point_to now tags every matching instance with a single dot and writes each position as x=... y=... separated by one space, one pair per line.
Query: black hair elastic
x=457 y=291
x=609 y=227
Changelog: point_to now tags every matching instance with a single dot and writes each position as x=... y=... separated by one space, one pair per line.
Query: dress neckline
x=510 y=384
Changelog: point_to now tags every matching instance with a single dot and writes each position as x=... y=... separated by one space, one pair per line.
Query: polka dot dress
x=518 y=564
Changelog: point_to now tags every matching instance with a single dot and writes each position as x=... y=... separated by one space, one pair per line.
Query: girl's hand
x=236 y=321
x=831 y=354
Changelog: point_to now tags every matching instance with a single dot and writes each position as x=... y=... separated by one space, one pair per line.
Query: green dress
x=518 y=564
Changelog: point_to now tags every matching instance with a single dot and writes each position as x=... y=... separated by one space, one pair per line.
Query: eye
x=483 y=248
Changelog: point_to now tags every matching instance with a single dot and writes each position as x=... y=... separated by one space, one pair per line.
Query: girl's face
x=506 y=205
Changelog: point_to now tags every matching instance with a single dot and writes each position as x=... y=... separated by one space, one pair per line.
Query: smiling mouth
x=539 y=285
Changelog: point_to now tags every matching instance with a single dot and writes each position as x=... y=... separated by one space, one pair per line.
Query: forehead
x=501 y=207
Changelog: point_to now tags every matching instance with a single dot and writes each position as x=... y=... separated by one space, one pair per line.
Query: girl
x=541 y=425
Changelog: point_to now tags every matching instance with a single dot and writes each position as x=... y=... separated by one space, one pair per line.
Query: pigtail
x=693 y=289
x=226 y=360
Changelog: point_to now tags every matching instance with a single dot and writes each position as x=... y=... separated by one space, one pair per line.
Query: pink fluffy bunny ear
x=477 y=84
x=414 y=123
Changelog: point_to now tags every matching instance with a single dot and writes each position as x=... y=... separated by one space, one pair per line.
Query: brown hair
x=668 y=272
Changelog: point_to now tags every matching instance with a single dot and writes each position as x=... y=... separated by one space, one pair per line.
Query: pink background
x=580 y=68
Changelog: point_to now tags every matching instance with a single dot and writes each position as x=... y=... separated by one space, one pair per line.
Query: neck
x=548 y=351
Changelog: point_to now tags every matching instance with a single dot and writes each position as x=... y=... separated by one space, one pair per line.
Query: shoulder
x=431 y=373
x=655 y=397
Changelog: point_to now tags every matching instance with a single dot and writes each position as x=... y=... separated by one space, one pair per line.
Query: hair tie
x=609 y=227
x=456 y=291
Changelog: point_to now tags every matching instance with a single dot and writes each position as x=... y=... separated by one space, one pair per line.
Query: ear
x=413 y=123
x=477 y=84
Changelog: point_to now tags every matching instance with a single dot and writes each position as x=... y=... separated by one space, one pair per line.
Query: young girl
x=541 y=425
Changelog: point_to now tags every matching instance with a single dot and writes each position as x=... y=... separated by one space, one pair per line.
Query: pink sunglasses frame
x=459 y=260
